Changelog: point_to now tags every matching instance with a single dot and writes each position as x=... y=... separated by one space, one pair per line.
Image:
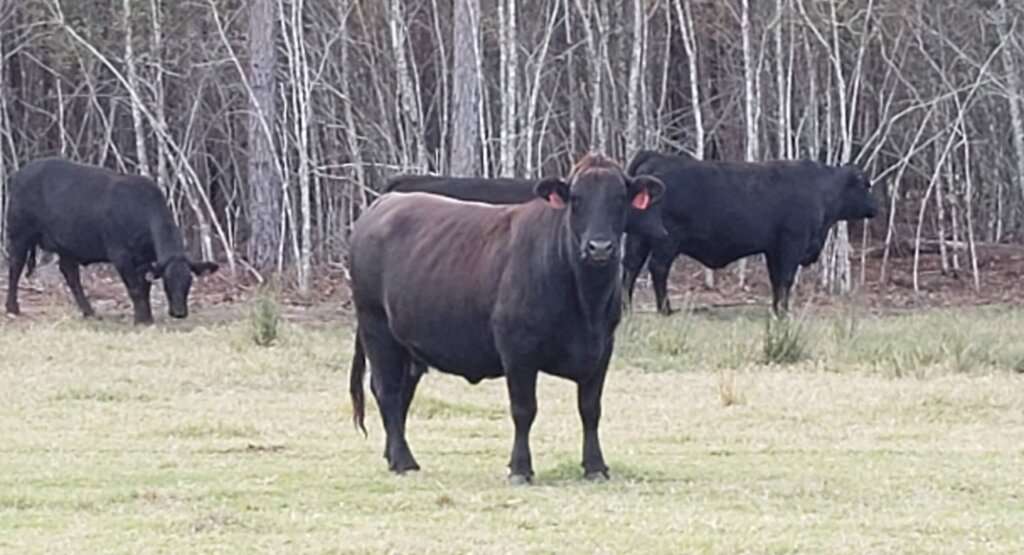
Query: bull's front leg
x=138 y=289
x=522 y=396
x=588 y=396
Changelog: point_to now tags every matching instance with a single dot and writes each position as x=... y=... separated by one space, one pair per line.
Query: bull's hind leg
x=70 y=268
x=636 y=251
x=18 y=251
x=660 y=265
x=782 y=267
x=393 y=386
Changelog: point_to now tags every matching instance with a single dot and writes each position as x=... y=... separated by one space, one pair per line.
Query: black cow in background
x=484 y=291
x=87 y=214
x=718 y=212
x=504 y=190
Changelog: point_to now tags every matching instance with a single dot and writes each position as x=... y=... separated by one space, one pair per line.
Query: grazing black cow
x=503 y=190
x=719 y=212
x=88 y=214
x=486 y=291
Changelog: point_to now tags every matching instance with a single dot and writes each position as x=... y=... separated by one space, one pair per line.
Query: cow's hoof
x=596 y=476
x=401 y=467
x=13 y=310
x=519 y=480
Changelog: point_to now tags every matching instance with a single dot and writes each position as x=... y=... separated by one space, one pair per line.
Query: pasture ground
x=893 y=433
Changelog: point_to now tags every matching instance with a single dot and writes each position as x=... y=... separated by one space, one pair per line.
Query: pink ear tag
x=642 y=200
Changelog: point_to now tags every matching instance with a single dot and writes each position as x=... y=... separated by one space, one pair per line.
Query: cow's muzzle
x=599 y=252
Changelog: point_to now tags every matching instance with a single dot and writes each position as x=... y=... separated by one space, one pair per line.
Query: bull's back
x=77 y=210
x=491 y=191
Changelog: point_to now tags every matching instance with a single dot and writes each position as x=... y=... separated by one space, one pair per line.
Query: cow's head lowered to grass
x=176 y=273
x=597 y=201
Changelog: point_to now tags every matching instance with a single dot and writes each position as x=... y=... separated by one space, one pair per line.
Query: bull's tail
x=355 y=384
x=30 y=262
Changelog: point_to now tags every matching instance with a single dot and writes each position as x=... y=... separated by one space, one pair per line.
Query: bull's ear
x=645 y=190
x=553 y=190
x=203 y=268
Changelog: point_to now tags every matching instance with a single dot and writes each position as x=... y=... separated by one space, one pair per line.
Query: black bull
x=718 y=212
x=485 y=291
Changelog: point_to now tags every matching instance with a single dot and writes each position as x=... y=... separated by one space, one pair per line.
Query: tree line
x=270 y=123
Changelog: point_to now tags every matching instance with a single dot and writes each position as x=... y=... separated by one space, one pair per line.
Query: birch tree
x=465 y=148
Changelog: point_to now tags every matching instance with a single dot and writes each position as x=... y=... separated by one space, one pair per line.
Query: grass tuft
x=729 y=393
x=265 y=320
x=784 y=341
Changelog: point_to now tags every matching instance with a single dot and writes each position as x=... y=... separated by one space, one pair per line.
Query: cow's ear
x=203 y=268
x=553 y=190
x=644 y=191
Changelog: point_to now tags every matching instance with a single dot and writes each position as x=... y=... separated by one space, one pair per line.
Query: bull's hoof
x=519 y=479
x=596 y=476
x=402 y=470
x=13 y=310
x=405 y=465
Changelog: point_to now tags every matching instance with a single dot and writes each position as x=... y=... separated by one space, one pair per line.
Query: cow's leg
x=782 y=266
x=588 y=397
x=410 y=380
x=18 y=249
x=70 y=268
x=660 y=264
x=522 y=396
x=635 y=253
x=138 y=289
x=392 y=386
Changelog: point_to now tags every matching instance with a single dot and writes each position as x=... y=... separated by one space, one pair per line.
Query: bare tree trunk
x=509 y=87
x=1014 y=93
x=465 y=150
x=159 y=110
x=412 y=130
x=131 y=72
x=301 y=84
x=534 y=89
x=597 y=53
x=264 y=182
x=749 y=108
x=635 y=68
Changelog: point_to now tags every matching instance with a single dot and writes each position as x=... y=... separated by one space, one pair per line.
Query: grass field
x=897 y=433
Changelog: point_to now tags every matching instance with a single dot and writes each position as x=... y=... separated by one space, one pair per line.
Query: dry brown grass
x=896 y=438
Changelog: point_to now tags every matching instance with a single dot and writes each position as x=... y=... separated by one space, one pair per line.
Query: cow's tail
x=355 y=384
x=638 y=160
x=30 y=262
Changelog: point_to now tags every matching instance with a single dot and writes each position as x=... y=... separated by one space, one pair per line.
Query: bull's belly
x=84 y=249
x=462 y=352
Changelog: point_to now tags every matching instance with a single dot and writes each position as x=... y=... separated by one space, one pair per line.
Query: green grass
x=894 y=434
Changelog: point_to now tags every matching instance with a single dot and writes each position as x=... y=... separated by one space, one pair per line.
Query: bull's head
x=855 y=199
x=598 y=199
x=176 y=273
